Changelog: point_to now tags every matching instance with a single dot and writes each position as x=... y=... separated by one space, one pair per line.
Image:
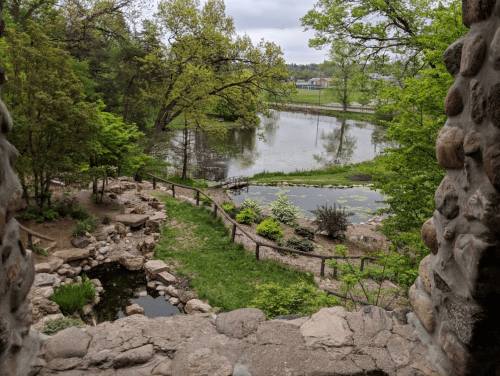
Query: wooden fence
x=235 y=181
x=259 y=244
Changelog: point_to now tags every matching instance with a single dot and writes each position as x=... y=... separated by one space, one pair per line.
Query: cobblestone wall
x=459 y=285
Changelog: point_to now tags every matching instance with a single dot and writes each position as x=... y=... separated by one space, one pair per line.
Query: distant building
x=378 y=76
x=313 y=83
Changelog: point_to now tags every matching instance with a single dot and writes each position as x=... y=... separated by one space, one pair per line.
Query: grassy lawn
x=221 y=271
x=332 y=176
x=313 y=97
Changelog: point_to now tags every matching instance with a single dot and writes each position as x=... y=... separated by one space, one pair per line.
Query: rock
x=146 y=245
x=130 y=261
x=239 y=323
x=494 y=104
x=446 y=199
x=208 y=362
x=44 y=279
x=494 y=57
x=80 y=242
x=491 y=163
x=422 y=306
x=99 y=258
x=449 y=148
x=87 y=309
x=159 y=216
x=151 y=284
x=166 y=278
x=69 y=343
x=174 y=301
x=120 y=228
x=96 y=282
x=108 y=230
x=134 y=309
x=163 y=369
x=139 y=355
x=429 y=236
x=63 y=271
x=423 y=271
x=172 y=291
x=327 y=328
x=477 y=102
x=472 y=143
x=154 y=267
x=55 y=263
x=161 y=288
x=399 y=348
x=132 y=220
x=186 y=296
x=77 y=270
x=473 y=52
x=196 y=306
x=42 y=268
x=453 y=103
x=72 y=254
x=480 y=208
x=452 y=57
x=143 y=293
x=476 y=11
x=454 y=349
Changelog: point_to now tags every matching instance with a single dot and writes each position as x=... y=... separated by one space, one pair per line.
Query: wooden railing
x=236 y=180
x=35 y=234
x=258 y=243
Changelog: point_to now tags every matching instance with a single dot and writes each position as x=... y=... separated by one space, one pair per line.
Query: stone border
x=286 y=184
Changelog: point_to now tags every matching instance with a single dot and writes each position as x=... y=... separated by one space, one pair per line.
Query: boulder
x=197 y=306
x=166 y=278
x=154 y=267
x=236 y=324
x=44 y=279
x=139 y=355
x=327 y=328
x=172 y=291
x=42 y=268
x=120 y=228
x=72 y=254
x=134 y=309
x=80 y=242
x=131 y=262
x=422 y=306
x=132 y=220
x=186 y=296
x=55 y=263
x=69 y=343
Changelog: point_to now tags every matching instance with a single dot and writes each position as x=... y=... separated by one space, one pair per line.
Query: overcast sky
x=277 y=21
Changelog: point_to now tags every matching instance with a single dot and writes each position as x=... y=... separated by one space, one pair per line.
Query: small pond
x=121 y=289
x=361 y=201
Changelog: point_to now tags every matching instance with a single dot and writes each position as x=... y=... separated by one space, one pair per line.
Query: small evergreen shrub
x=253 y=205
x=73 y=297
x=40 y=250
x=86 y=225
x=259 y=218
x=79 y=212
x=39 y=215
x=205 y=201
x=305 y=232
x=284 y=210
x=227 y=208
x=246 y=217
x=52 y=327
x=106 y=219
x=333 y=220
x=270 y=229
x=298 y=299
x=300 y=244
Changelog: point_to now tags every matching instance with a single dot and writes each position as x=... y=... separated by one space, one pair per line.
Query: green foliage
x=259 y=218
x=40 y=250
x=284 y=210
x=305 y=232
x=205 y=200
x=298 y=299
x=300 y=244
x=333 y=220
x=270 y=229
x=72 y=297
x=227 y=208
x=39 y=215
x=89 y=224
x=53 y=326
x=230 y=208
x=246 y=216
x=253 y=205
x=106 y=219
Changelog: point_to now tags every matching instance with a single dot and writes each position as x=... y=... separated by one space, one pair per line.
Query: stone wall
x=454 y=298
x=17 y=344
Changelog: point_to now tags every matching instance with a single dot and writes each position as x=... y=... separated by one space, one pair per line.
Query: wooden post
x=173 y=190
x=215 y=210
x=30 y=242
x=322 y=267
x=362 y=265
x=234 y=233
x=197 y=198
x=257 y=251
x=335 y=272
x=154 y=183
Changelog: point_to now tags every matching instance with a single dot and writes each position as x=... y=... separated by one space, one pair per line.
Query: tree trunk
x=127 y=98
x=185 y=156
x=342 y=130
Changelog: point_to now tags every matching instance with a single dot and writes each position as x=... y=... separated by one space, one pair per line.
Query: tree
x=203 y=61
x=339 y=147
x=53 y=124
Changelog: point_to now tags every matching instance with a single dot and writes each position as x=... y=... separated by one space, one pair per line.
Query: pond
x=121 y=289
x=289 y=141
x=361 y=201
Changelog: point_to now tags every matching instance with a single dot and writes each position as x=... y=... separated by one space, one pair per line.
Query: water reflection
x=287 y=142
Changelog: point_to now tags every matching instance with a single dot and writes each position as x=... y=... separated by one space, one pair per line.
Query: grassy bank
x=331 y=176
x=221 y=271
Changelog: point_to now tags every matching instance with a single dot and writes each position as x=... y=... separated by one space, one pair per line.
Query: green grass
x=332 y=176
x=73 y=297
x=222 y=271
x=53 y=326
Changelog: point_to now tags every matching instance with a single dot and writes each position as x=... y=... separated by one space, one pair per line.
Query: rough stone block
x=472 y=143
x=494 y=57
x=69 y=343
x=422 y=306
x=476 y=10
x=42 y=268
x=166 y=278
x=132 y=220
x=473 y=52
x=327 y=329
x=452 y=57
x=449 y=148
x=456 y=352
x=446 y=199
x=491 y=163
x=154 y=267
x=429 y=236
x=453 y=103
x=196 y=306
x=477 y=102
x=423 y=271
x=72 y=254
x=239 y=323
x=129 y=358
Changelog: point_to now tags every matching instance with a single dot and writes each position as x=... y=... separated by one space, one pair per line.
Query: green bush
x=79 y=212
x=246 y=217
x=227 y=208
x=253 y=205
x=333 y=220
x=52 y=326
x=300 y=244
x=298 y=299
x=259 y=218
x=305 y=232
x=206 y=201
x=231 y=209
x=284 y=210
x=73 y=297
x=106 y=219
x=86 y=225
x=270 y=229
x=40 y=250
x=39 y=215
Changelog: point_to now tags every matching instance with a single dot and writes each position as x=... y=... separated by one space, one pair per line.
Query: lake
x=289 y=141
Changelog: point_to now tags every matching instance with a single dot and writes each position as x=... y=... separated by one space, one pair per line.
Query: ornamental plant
x=253 y=205
x=300 y=244
x=334 y=221
x=284 y=210
x=270 y=229
x=246 y=216
x=73 y=297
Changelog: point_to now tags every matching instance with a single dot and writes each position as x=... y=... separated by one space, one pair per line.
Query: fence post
x=173 y=190
x=234 y=233
x=197 y=198
x=322 y=267
x=362 y=265
x=215 y=210
x=30 y=242
x=256 y=251
x=335 y=272
x=154 y=183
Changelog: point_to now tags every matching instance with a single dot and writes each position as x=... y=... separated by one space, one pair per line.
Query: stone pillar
x=456 y=296
x=18 y=345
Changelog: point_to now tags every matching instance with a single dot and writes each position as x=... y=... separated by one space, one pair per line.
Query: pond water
x=361 y=201
x=121 y=289
x=289 y=141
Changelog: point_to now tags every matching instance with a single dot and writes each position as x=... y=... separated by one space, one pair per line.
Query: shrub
x=73 y=297
x=305 y=232
x=284 y=210
x=86 y=225
x=106 y=219
x=304 y=245
x=333 y=220
x=52 y=326
x=39 y=215
x=40 y=250
x=246 y=217
x=206 y=201
x=253 y=205
x=298 y=299
x=270 y=229
x=259 y=218
x=227 y=208
x=79 y=212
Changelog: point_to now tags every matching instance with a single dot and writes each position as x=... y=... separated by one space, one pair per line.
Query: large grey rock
x=132 y=220
x=422 y=306
x=69 y=343
x=134 y=309
x=135 y=356
x=80 y=242
x=55 y=263
x=196 y=306
x=166 y=278
x=131 y=262
x=44 y=279
x=207 y=362
x=42 y=268
x=72 y=254
x=153 y=267
x=239 y=323
x=327 y=328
